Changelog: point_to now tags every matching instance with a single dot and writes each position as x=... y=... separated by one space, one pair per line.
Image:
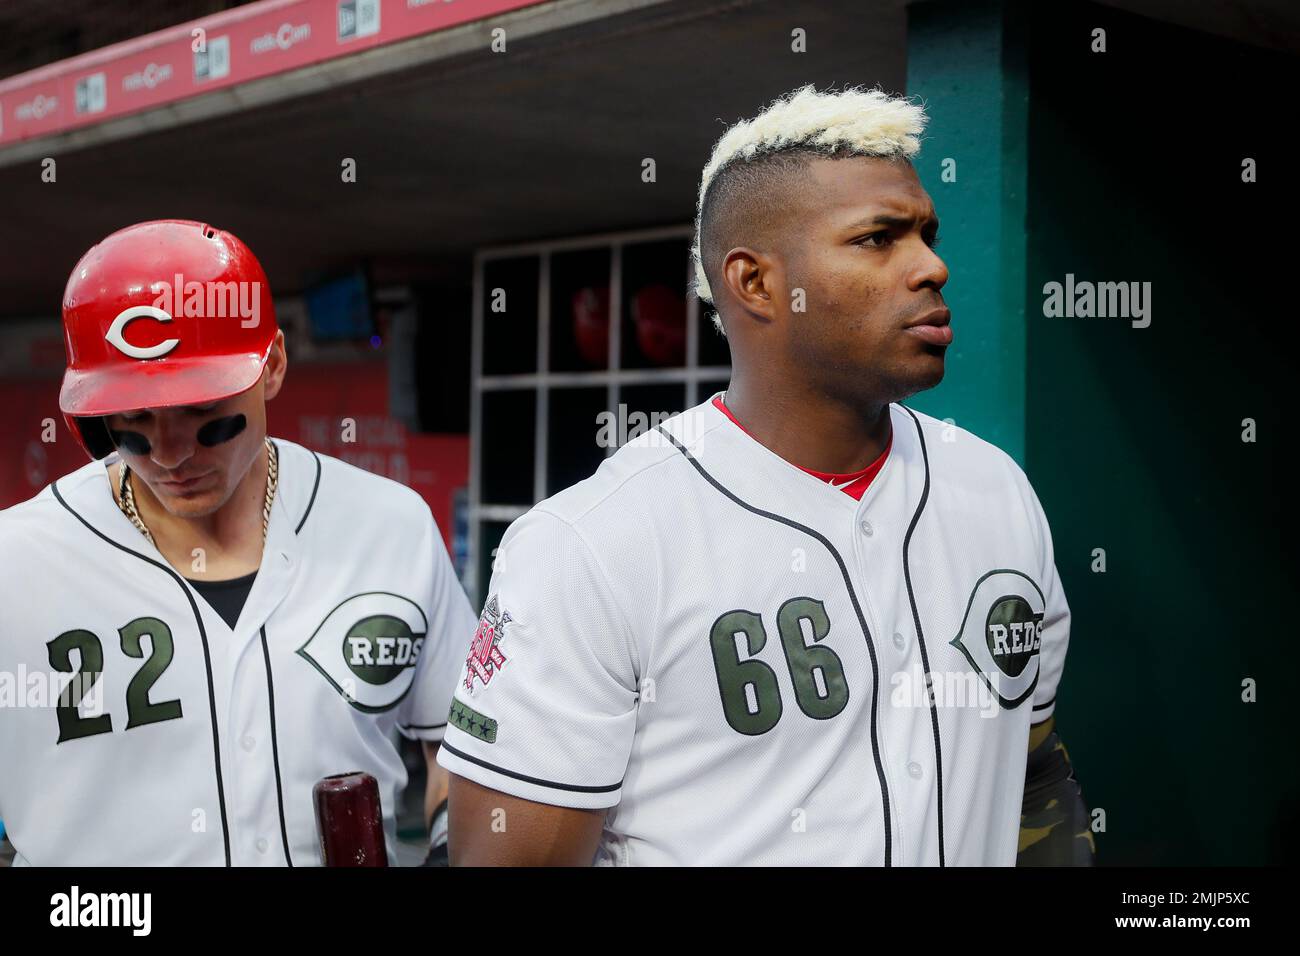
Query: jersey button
x=262 y=845
x=898 y=640
x=865 y=525
x=248 y=743
x=914 y=770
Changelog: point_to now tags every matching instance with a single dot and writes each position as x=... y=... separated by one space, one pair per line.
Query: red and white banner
x=223 y=50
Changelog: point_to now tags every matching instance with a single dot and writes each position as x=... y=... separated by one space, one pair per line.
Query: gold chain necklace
x=126 y=494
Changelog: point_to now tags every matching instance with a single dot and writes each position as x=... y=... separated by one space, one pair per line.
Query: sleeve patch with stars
x=472 y=722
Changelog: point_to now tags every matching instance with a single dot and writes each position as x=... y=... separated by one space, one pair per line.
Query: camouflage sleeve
x=1054 y=823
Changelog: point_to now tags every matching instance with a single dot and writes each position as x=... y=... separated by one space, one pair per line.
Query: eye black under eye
x=221 y=430
x=132 y=442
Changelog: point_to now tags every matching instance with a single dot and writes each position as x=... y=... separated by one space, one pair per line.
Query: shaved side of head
x=753 y=203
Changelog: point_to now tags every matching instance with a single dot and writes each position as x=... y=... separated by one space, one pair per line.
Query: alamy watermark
x=946 y=689
x=75 y=908
x=615 y=429
x=36 y=689
x=211 y=299
x=1100 y=300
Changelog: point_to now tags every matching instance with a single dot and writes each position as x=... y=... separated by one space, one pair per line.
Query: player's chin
x=196 y=504
x=926 y=369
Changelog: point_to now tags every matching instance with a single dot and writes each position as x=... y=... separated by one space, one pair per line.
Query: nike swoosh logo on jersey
x=840 y=487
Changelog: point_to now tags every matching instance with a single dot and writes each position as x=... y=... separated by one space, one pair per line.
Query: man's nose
x=929 y=271
x=173 y=444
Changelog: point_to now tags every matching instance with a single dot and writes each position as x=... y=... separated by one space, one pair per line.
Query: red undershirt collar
x=854 y=484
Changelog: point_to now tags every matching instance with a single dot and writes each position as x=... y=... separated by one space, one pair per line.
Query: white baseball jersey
x=731 y=655
x=199 y=744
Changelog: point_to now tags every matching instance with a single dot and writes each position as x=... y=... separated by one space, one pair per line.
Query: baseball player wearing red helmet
x=219 y=618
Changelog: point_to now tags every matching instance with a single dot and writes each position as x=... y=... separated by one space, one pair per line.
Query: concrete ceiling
x=545 y=141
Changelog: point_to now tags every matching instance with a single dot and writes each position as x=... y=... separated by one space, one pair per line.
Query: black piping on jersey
x=275 y=747
x=857 y=608
x=423 y=726
x=207 y=657
x=576 y=788
x=920 y=636
x=1045 y=704
x=312 y=500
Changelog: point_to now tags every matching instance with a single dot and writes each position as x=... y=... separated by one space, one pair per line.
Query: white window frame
x=541 y=382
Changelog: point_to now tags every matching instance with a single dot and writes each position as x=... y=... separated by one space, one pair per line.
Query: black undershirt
x=226 y=597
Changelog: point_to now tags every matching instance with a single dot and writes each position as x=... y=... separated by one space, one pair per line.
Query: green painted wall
x=1132 y=436
x=967 y=65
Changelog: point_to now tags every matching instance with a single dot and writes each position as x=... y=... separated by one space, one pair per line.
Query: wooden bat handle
x=350 y=820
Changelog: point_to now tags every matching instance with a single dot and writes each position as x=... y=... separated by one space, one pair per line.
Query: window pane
x=654 y=304
x=510 y=332
x=489 y=537
x=580 y=310
x=575 y=422
x=507 y=448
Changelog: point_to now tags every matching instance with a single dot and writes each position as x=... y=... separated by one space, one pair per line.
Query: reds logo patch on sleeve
x=485 y=658
x=1002 y=634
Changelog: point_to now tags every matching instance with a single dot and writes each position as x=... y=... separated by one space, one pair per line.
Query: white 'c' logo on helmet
x=124 y=318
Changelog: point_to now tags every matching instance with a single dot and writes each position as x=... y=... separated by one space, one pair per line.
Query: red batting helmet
x=660 y=317
x=170 y=312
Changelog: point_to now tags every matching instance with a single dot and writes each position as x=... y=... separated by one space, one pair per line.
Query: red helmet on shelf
x=162 y=313
x=591 y=325
x=660 y=317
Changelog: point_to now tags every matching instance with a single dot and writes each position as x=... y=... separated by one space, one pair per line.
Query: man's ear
x=276 y=365
x=753 y=279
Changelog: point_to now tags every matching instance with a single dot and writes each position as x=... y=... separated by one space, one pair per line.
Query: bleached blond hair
x=853 y=122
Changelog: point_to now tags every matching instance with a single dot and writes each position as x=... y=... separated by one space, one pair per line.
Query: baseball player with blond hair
x=800 y=623
x=228 y=617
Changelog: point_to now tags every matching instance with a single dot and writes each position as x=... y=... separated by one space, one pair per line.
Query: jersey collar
x=853 y=483
x=88 y=493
